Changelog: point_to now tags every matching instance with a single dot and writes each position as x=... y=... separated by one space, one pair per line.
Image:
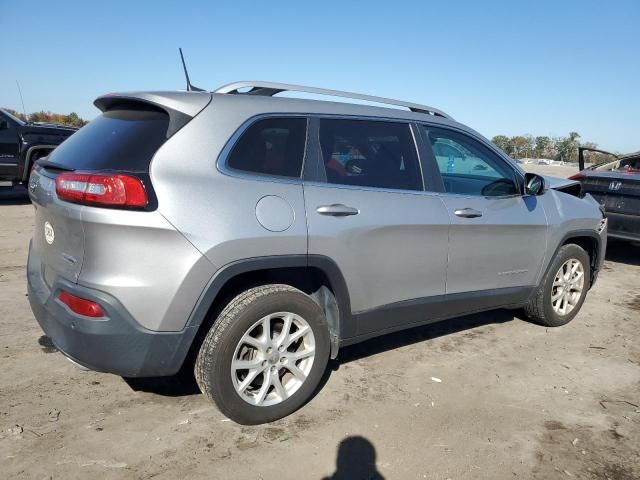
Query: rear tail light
x=106 y=190
x=577 y=176
x=81 y=306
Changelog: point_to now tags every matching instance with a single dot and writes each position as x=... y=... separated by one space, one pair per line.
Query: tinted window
x=369 y=154
x=273 y=146
x=468 y=167
x=116 y=140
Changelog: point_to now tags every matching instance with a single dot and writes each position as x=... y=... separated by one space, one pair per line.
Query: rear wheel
x=563 y=289
x=265 y=354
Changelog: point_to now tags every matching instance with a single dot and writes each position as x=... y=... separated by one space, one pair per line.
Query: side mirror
x=534 y=184
x=4 y=125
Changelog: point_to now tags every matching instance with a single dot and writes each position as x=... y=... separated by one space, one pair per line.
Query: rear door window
x=271 y=146
x=369 y=153
x=119 y=139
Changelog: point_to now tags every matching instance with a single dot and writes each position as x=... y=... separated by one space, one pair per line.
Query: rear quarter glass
x=119 y=139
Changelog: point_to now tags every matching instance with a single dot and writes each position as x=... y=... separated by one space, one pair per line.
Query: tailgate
x=58 y=239
x=617 y=193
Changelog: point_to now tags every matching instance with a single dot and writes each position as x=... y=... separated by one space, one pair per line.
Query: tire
x=540 y=308
x=238 y=337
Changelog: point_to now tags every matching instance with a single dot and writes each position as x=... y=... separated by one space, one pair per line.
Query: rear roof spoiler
x=180 y=106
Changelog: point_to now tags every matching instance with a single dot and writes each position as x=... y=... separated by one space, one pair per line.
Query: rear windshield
x=120 y=139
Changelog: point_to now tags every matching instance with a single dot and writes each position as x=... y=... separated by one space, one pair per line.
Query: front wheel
x=265 y=354
x=563 y=289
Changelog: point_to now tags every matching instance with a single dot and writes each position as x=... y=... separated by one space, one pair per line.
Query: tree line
x=550 y=148
x=72 y=119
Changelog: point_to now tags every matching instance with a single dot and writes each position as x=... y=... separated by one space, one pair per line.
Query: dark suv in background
x=22 y=143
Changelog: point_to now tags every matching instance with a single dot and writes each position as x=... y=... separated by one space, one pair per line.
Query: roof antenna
x=190 y=88
x=24 y=111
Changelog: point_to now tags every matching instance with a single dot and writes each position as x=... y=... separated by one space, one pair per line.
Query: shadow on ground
x=180 y=385
x=184 y=383
x=356 y=459
x=623 y=252
x=423 y=333
x=14 y=196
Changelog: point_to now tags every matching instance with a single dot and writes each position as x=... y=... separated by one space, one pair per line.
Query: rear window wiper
x=57 y=166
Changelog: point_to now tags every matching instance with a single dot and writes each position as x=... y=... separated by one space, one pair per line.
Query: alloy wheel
x=567 y=287
x=273 y=359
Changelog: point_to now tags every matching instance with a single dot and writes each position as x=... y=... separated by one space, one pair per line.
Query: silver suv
x=249 y=236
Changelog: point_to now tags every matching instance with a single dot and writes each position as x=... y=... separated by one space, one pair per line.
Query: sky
x=501 y=67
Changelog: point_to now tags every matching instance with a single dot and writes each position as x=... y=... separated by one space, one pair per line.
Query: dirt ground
x=484 y=396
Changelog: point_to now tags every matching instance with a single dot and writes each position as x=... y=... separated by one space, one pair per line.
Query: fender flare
x=595 y=261
x=344 y=328
x=27 y=158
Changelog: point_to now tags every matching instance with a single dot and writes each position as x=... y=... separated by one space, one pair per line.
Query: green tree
x=568 y=147
x=502 y=142
x=543 y=147
x=71 y=119
x=519 y=145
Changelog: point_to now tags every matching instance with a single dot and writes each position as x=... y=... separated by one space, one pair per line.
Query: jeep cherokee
x=250 y=236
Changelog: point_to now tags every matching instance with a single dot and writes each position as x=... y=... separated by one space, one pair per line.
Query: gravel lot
x=484 y=396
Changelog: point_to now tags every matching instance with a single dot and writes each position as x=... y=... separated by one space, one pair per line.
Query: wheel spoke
x=251 y=376
x=295 y=336
x=266 y=385
x=295 y=356
x=556 y=295
x=288 y=321
x=246 y=364
x=299 y=374
x=577 y=277
x=254 y=342
x=266 y=329
x=277 y=383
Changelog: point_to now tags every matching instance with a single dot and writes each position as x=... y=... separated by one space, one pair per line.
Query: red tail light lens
x=80 y=305
x=107 y=190
x=577 y=176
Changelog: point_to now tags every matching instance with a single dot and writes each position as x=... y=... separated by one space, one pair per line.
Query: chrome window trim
x=221 y=163
x=314 y=183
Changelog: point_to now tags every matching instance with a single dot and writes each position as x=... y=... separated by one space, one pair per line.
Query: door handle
x=467 y=213
x=337 y=210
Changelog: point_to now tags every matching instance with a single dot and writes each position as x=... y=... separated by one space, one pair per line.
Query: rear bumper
x=116 y=344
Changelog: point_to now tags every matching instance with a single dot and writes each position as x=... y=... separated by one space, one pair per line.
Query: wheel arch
x=589 y=241
x=316 y=275
x=26 y=166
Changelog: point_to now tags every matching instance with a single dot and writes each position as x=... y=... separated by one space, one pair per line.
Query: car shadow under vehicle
x=622 y=251
x=422 y=333
x=184 y=384
x=17 y=195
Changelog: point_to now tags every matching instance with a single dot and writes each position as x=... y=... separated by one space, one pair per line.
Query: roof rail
x=270 y=89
